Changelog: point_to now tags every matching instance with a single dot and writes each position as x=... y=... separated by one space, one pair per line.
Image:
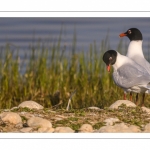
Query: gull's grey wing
x=147 y=66
x=128 y=76
x=143 y=62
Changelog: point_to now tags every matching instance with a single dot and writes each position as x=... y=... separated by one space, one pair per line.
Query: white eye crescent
x=129 y=31
x=110 y=58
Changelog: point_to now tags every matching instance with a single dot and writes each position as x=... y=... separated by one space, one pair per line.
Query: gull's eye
x=129 y=31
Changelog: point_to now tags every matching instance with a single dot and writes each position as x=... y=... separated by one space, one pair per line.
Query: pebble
x=11 y=117
x=111 y=121
x=46 y=130
x=26 y=130
x=14 y=108
x=120 y=102
x=19 y=125
x=85 y=128
x=119 y=128
x=39 y=122
x=63 y=130
x=146 y=109
x=31 y=105
x=27 y=115
x=59 y=117
x=95 y=108
x=147 y=128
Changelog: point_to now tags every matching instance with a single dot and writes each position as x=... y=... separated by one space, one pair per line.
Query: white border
x=76 y=5
x=75 y=135
x=74 y=14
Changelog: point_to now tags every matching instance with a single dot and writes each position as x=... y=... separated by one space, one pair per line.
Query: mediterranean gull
x=127 y=74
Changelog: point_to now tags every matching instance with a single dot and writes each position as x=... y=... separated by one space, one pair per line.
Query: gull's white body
x=135 y=52
x=130 y=76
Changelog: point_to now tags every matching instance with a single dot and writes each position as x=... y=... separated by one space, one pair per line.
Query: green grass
x=52 y=74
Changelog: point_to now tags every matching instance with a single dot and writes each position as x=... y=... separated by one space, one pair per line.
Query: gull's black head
x=109 y=58
x=133 y=34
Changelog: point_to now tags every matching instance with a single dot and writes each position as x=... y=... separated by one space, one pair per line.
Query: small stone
x=85 y=128
x=63 y=130
x=120 y=102
x=111 y=121
x=50 y=130
x=19 y=125
x=26 y=130
x=30 y=105
x=40 y=130
x=146 y=109
x=119 y=128
x=6 y=110
x=38 y=115
x=59 y=117
x=11 y=117
x=134 y=128
x=46 y=130
x=23 y=113
x=28 y=115
x=95 y=108
x=147 y=128
x=39 y=122
x=14 y=108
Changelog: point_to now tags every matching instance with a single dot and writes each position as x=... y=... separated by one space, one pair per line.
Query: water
x=24 y=32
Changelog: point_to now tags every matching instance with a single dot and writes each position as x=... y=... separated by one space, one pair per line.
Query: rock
x=95 y=108
x=38 y=115
x=11 y=117
x=27 y=115
x=31 y=105
x=119 y=102
x=146 y=109
x=133 y=128
x=19 y=125
x=63 y=130
x=47 y=130
x=50 y=130
x=14 y=108
x=111 y=121
x=6 y=110
x=23 y=113
x=147 y=128
x=39 y=122
x=119 y=128
x=85 y=128
x=26 y=130
x=59 y=117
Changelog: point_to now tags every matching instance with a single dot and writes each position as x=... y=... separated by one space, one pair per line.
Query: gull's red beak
x=122 y=34
x=108 y=68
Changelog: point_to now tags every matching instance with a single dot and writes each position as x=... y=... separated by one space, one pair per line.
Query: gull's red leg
x=143 y=97
x=124 y=96
x=136 y=100
x=130 y=96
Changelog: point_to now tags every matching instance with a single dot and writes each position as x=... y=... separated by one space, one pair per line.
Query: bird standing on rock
x=127 y=74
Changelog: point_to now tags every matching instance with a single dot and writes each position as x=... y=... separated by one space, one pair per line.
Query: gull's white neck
x=134 y=49
x=121 y=59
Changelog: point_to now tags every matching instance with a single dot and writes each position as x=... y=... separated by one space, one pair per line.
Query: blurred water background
x=22 y=33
